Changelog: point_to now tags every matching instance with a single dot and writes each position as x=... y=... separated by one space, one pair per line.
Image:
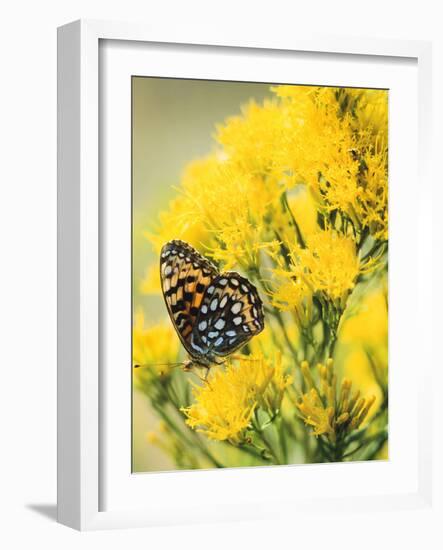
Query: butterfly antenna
x=170 y=365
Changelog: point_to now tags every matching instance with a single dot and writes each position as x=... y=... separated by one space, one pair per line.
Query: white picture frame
x=81 y=412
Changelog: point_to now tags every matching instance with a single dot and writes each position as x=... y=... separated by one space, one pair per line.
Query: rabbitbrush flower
x=223 y=407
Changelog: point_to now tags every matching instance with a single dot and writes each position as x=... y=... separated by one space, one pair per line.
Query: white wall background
x=28 y=266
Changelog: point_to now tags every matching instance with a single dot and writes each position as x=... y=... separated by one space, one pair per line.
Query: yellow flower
x=295 y=187
x=329 y=264
x=330 y=412
x=252 y=139
x=292 y=294
x=319 y=143
x=372 y=204
x=155 y=348
x=315 y=414
x=336 y=143
x=223 y=407
x=231 y=205
x=372 y=111
x=179 y=221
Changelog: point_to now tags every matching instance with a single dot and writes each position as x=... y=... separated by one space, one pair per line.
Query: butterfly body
x=213 y=313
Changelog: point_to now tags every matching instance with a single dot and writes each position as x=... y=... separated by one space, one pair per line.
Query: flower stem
x=179 y=433
x=277 y=315
x=260 y=431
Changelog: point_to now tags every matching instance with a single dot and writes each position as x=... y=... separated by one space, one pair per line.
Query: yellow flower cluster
x=180 y=221
x=328 y=264
x=337 y=144
x=155 y=348
x=224 y=406
x=251 y=140
x=330 y=412
x=293 y=196
x=292 y=294
x=215 y=208
x=332 y=141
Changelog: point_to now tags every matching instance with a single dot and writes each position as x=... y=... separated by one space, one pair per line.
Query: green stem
x=277 y=315
x=375 y=247
x=260 y=432
x=254 y=451
x=283 y=442
x=377 y=437
x=179 y=433
x=285 y=203
x=269 y=447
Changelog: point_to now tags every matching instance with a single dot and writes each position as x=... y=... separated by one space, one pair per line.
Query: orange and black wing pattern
x=185 y=275
x=213 y=313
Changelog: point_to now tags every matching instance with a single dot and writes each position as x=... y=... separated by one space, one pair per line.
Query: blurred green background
x=173 y=123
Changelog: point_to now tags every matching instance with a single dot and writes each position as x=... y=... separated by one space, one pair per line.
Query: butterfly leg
x=204 y=378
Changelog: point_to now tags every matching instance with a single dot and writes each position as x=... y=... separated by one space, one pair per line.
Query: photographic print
x=259 y=274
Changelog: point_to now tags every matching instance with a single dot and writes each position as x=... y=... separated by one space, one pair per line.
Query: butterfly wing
x=185 y=275
x=230 y=315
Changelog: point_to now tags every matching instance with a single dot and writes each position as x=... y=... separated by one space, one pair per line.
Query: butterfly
x=213 y=313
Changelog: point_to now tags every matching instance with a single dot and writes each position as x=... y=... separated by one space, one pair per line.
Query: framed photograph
x=235 y=222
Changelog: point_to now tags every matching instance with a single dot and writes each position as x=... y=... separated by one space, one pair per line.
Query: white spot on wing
x=197 y=348
x=236 y=308
x=223 y=301
x=218 y=342
x=168 y=270
x=237 y=321
x=223 y=282
x=214 y=304
x=219 y=324
x=202 y=326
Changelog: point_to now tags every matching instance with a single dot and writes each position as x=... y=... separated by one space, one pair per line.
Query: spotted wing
x=185 y=275
x=231 y=313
